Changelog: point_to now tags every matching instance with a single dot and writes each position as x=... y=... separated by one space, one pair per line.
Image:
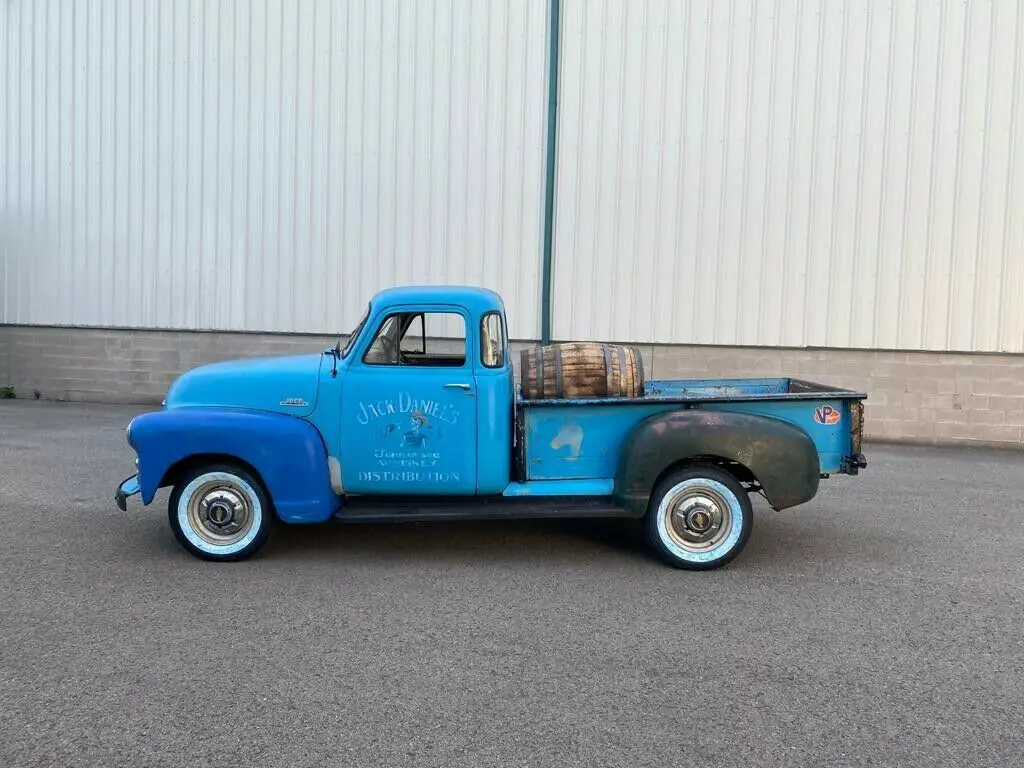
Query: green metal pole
x=549 y=183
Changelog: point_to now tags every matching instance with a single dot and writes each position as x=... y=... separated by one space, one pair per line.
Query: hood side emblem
x=294 y=402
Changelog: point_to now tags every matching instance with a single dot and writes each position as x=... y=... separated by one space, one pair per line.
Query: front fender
x=286 y=451
x=780 y=455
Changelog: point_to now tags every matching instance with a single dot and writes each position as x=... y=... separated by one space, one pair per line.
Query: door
x=409 y=423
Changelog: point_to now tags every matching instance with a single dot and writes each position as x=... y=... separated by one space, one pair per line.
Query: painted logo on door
x=827 y=415
x=408 y=437
x=405 y=404
x=414 y=432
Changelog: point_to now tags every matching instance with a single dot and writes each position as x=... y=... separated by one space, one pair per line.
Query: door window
x=426 y=339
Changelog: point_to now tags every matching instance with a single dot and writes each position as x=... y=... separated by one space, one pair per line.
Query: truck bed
x=579 y=438
x=711 y=390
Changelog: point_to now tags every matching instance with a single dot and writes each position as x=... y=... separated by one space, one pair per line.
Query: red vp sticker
x=826 y=414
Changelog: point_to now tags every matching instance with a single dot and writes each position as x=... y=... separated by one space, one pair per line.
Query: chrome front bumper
x=129 y=487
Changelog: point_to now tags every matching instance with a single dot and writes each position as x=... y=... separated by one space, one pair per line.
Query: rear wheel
x=699 y=518
x=220 y=513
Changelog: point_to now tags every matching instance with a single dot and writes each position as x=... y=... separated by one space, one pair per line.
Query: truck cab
x=425 y=389
x=417 y=416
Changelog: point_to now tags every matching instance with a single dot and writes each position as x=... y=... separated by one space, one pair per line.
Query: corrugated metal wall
x=266 y=165
x=794 y=172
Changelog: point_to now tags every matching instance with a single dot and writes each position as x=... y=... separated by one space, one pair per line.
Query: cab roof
x=474 y=298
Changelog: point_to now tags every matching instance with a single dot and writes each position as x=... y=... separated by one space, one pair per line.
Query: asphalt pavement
x=880 y=624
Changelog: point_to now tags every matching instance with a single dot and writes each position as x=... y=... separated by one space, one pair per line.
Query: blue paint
x=711 y=388
x=832 y=441
x=495 y=418
x=433 y=425
x=698 y=391
x=596 y=487
x=280 y=384
x=406 y=431
x=286 y=451
x=476 y=301
x=410 y=428
x=574 y=443
x=578 y=441
x=126 y=490
x=131 y=486
x=426 y=434
x=327 y=415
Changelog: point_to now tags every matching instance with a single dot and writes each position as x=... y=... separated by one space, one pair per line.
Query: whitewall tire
x=698 y=518
x=220 y=513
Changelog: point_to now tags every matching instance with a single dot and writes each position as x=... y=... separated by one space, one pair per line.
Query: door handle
x=458 y=385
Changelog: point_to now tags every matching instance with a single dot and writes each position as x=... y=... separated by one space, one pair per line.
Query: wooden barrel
x=581 y=369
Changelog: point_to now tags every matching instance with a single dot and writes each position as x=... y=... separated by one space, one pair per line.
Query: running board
x=387 y=509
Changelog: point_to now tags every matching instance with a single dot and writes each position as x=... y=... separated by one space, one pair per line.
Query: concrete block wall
x=914 y=397
x=128 y=366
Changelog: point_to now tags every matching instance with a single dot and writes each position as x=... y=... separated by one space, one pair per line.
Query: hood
x=281 y=384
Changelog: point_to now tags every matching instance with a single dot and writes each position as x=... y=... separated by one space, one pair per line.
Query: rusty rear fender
x=778 y=456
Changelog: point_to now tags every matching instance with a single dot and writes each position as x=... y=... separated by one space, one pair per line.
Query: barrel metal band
x=607 y=368
x=559 y=392
x=622 y=367
x=540 y=372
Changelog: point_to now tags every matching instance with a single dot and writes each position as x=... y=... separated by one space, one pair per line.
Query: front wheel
x=220 y=513
x=699 y=518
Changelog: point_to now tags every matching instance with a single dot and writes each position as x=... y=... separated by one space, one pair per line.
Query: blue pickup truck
x=418 y=416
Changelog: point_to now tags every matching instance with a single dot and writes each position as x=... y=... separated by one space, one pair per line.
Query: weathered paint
x=334 y=467
x=575 y=439
x=687 y=391
x=832 y=442
x=570 y=436
x=600 y=486
x=404 y=431
x=780 y=455
x=704 y=388
x=597 y=431
x=414 y=429
x=495 y=422
x=450 y=432
x=283 y=384
x=287 y=453
x=128 y=488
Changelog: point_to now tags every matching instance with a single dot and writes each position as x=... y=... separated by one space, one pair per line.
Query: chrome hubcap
x=698 y=519
x=220 y=513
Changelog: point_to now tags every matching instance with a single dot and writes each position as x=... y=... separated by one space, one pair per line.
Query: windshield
x=355 y=334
